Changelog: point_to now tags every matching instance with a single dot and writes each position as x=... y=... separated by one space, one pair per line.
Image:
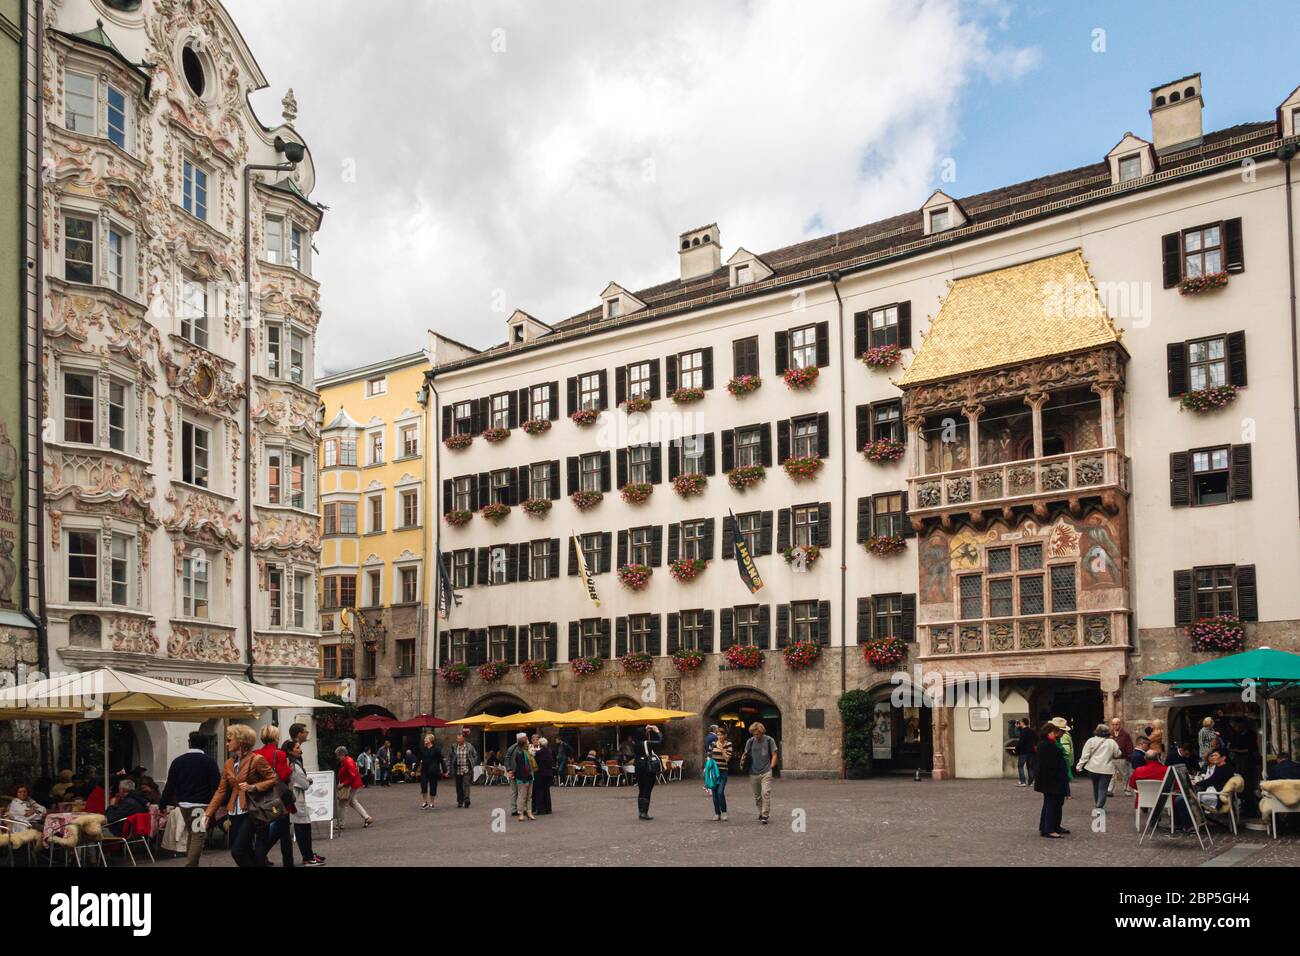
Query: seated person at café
x=128 y=803
x=1186 y=756
x=591 y=757
x=23 y=810
x=1139 y=755
x=1153 y=769
x=1284 y=768
x=1218 y=775
x=60 y=790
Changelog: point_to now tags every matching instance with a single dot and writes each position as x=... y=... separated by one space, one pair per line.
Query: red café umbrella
x=416 y=722
x=372 y=722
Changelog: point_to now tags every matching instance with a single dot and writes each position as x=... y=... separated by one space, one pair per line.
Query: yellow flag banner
x=587 y=583
x=744 y=560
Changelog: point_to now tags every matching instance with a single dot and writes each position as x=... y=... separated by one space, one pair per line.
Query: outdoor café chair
x=675 y=767
x=613 y=773
x=589 y=773
x=137 y=830
x=1147 y=792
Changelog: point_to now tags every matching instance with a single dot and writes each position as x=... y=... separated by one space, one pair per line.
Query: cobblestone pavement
x=885 y=821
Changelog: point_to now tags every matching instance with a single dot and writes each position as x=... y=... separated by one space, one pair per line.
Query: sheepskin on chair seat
x=1284 y=791
x=1236 y=784
x=71 y=834
x=23 y=837
x=91 y=825
x=4 y=838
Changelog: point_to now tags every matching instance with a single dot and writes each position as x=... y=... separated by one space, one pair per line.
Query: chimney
x=1176 y=114
x=700 y=251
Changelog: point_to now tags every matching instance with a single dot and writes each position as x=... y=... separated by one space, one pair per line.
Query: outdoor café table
x=57 y=823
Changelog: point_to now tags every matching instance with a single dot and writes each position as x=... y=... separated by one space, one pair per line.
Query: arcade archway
x=735 y=709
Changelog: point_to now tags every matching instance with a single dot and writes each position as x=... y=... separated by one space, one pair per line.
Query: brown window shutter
x=782 y=352
x=554 y=391
x=783 y=529
x=1183 y=598
x=604 y=389
x=1171 y=253
x=1247 y=596
x=1237 y=359
x=864 y=620
x=670 y=372
x=824 y=524
x=782 y=440
x=905 y=325
x=1234 y=250
x=572 y=384
x=859 y=334
x=728 y=450
x=1176 y=363
x=907 y=622
x=863 y=426
x=1242 y=484
x=823 y=344
x=621 y=468
x=864 y=519
x=620 y=385
x=1180 y=486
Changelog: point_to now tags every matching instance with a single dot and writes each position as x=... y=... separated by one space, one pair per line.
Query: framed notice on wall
x=882 y=732
x=980 y=719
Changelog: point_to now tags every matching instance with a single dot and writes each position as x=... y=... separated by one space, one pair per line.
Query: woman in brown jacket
x=244 y=771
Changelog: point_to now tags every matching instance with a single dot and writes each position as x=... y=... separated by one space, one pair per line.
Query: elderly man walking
x=760 y=756
x=521 y=742
x=462 y=762
x=1122 y=770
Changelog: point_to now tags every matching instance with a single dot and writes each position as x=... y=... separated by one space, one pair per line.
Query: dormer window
x=744 y=275
x=940 y=219
x=517 y=334
x=613 y=308
x=1130 y=168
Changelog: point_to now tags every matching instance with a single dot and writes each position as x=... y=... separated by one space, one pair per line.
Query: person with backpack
x=648 y=767
x=760 y=757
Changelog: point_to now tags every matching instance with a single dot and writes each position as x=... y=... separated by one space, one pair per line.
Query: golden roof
x=1034 y=310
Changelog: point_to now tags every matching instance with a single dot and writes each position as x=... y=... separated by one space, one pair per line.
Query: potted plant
x=636 y=492
x=745 y=657
x=534 y=670
x=800 y=379
x=457 y=442
x=884 y=450
x=536 y=426
x=687 y=660
x=1208 y=399
x=453 y=673
x=884 y=545
x=636 y=662
x=1195 y=285
x=586 y=500
x=801 y=654
x=493 y=671
x=638 y=403
x=802 y=469
x=495 y=435
x=495 y=512
x=882 y=356
x=744 y=385
x=885 y=651
x=802 y=555
x=586 y=666
x=1224 y=633
x=686 y=569
x=688 y=486
x=635 y=577
x=458 y=517
x=584 y=417
x=746 y=476
x=687 y=396
x=537 y=507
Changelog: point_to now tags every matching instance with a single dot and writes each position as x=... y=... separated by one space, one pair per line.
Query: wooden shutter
x=706 y=621
x=523 y=483
x=622 y=548
x=764 y=626
x=707 y=547
x=728 y=450
x=512 y=563
x=483 y=496
x=905 y=325
x=782 y=352
x=674 y=542
x=479 y=646
x=656 y=546
x=1242 y=483
x=512 y=410
x=477 y=415
x=1234 y=251
x=859 y=334
x=824 y=622
x=525 y=405
x=606 y=540
x=654 y=380
x=744 y=357
x=604 y=471
x=620 y=385
x=572 y=467
x=670 y=374
x=907 y=621
x=674 y=458
x=782 y=440
x=1171 y=253
x=1180 y=485
x=521 y=643
x=573 y=557
x=1183 y=597
x=1176 y=368
x=555 y=400
x=728 y=547
x=552 y=642
x=823 y=435
x=1237 y=359
x=604 y=637
x=765 y=533
x=446 y=421
x=765 y=444
x=726 y=629
x=555 y=480
x=620 y=636
x=1247 y=596
x=782 y=625
x=512 y=644
x=863 y=426
x=524 y=560
x=823 y=344
x=482 y=560
x=673 y=639
x=572 y=384
x=448 y=495
x=707 y=356
x=444 y=647
x=824 y=525
x=553 y=563
x=908 y=530
x=621 y=467
x=783 y=529
x=573 y=640
x=656 y=636
x=864 y=619
x=864 y=518
x=656 y=464
x=710 y=466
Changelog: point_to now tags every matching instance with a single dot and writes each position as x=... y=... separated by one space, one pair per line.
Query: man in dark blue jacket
x=192 y=780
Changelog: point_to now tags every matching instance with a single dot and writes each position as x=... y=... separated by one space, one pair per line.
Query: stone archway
x=498 y=704
x=735 y=709
x=375 y=710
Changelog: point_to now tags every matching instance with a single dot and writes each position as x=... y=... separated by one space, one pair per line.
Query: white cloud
x=579 y=152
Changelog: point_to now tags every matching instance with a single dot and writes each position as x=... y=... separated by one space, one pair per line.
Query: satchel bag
x=265 y=806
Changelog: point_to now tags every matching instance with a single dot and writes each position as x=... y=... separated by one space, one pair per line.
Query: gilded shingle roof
x=1033 y=310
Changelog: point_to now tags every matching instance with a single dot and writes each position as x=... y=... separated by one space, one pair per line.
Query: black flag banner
x=744 y=560
x=447 y=596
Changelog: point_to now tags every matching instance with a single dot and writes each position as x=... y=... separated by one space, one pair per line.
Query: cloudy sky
x=483 y=156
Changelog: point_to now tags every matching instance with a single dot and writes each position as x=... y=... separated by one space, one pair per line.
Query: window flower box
x=1209 y=399
x=1195 y=285
x=586 y=500
x=458 y=517
x=801 y=654
x=744 y=657
x=744 y=385
x=687 y=569
x=635 y=577
x=884 y=450
x=457 y=442
x=885 y=545
x=453 y=673
x=882 y=356
x=885 y=651
x=802 y=555
x=688 y=660
x=637 y=404
x=635 y=663
x=536 y=426
x=584 y=417
x=802 y=469
x=534 y=670
x=687 y=486
x=493 y=671
x=800 y=379
x=746 y=476
x=586 y=666
x=537 y=507
x=495 y=512
x=1217 y=634
x=495 y=435
x=636 y=492
x=687 y=396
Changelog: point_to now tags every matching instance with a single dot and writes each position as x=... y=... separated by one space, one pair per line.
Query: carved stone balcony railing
x=1049 y=632
x=990 y=486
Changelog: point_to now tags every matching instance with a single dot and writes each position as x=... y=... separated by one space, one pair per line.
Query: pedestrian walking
x=543 y=779
x=463 y=759
x=1123 y=769
x=760 y=757
x=1099 y=759
x=1026 y=747
x=384 y=764
x=431 y=767
x=245 y=773
x=280 y=831
x=192 y=779
x=648 y=767
x=563 y=754
x=1052 y=780
x=521 y=767
x=365 y=761
x=349 y=784
x=521 y=740
x=300 y=818
x=720 y=756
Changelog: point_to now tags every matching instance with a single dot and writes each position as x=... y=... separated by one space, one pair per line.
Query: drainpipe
x=422 y=396
x=435 y=518
x=1286 y=153
x=834 y=279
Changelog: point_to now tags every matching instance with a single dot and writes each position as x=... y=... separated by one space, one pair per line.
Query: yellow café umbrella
x=574 y=718
x=614 y=716
x=478 y=720
x=652 y=714
x=532 y=718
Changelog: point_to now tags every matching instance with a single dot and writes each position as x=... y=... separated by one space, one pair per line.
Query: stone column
x=915 y=447
x=1107 y=393
x=973 y=413
x=1036 y=401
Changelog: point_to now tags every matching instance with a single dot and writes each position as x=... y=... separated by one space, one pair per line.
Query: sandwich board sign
x=320 y=798
x=1177 y=782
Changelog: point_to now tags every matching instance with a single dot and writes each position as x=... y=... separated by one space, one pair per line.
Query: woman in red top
x=281 y=831
x=349 y=782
